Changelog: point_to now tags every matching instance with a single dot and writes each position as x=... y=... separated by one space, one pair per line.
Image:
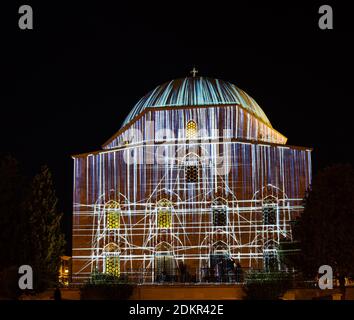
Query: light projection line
x=199 y=182
x=199 y=91
x=151 y=127
x=191 y=233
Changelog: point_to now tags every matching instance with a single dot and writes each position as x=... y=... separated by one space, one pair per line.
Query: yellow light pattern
x=113 y=218
x=164 y=214
x=113 y=215
x=112 y=265
x=192 y=129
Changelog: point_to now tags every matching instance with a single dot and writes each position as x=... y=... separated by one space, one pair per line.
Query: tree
x=325 y=229
x=45 y=239
x=30 y=227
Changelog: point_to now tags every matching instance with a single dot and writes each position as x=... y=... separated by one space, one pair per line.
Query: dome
x=197 y=91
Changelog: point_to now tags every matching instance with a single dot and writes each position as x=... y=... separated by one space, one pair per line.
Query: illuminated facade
x=195 y=181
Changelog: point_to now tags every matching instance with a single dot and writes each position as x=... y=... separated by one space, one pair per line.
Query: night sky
x=70 y=82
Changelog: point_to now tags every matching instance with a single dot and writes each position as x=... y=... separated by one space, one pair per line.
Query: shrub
x=106 y=287
x=266 y=285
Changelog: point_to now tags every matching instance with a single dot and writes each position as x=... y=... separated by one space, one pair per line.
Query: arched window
x=112 y=209
x=219 y=211
x=191 y=168
x=221 y=263
x=111 y=260
x=164 y=263
x=191 y=130
x=270 y=257
x=269 y=210
x=164 y=214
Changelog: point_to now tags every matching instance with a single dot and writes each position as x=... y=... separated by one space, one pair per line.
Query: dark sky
x=70 y=82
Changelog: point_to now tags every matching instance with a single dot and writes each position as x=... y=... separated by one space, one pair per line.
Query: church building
x=195 y=184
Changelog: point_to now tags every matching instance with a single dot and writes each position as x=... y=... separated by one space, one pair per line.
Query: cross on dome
x=194 y=72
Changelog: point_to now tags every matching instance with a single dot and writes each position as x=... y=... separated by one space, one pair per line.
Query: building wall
x=247 y=174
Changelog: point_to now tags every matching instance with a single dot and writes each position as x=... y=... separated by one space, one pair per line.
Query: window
x=164 y=263
x=219 y=210
x=269 y=210
x=270 y=260
x=270 y=256
x=111 y=260
x=112 y=265
x=113 y=220
x=191 y=172
x=192 y=167
x=164 y=214
x=113 y=215
x=221 y=264
x=191 y=130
